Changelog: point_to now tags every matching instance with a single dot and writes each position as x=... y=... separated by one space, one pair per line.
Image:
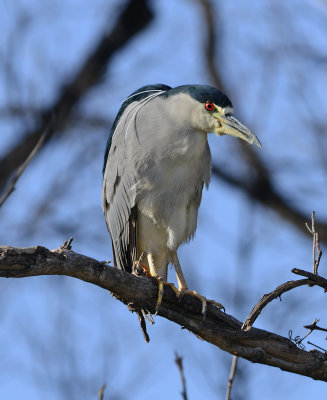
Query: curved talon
x=199 y=296
x=203 y=301
x=174 y=288
x=161 y=285
x=215 y=303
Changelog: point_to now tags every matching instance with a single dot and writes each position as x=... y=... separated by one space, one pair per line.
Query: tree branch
x=218 y=328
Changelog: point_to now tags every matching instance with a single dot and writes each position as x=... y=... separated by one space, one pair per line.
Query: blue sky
x=62 y=337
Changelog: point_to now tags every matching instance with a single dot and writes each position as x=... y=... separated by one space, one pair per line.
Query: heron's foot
x=161 y=285
x=203 y=300
x=141 y=269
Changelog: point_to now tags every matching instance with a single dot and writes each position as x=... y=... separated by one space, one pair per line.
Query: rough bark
x=218 y=328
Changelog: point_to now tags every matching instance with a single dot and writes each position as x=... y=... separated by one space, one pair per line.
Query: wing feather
x=119 y=180
x=119 y=201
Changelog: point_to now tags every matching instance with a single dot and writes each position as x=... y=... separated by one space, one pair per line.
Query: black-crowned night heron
x=156 y=163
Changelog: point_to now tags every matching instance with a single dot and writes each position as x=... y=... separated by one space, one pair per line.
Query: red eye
x=209 y=106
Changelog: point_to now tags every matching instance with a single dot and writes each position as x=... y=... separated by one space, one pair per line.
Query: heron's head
x=211 y=111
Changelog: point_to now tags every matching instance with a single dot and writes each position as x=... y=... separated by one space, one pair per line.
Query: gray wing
x=118 y=200
x=119 y=176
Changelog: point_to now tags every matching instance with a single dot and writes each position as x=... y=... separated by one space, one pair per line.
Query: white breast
x=169 y=193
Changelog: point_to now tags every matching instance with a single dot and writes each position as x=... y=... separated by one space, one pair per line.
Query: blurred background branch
x=135 y=17
x=259 y=184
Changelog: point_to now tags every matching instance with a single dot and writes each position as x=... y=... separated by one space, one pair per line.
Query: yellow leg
x=161 y=280
x=182 y=286
x=179 y=273
x=160 y=293
x=220 y=306
x=161 y=285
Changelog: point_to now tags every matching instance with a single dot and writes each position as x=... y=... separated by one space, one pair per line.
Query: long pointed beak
x=232 y=126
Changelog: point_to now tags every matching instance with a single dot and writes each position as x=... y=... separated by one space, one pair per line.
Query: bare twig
x=179 y=363
x=314 y=327
x=231 y=377
x=318 y=347
x=101 y=392
x=312 y=280
x=315 y=244
x=298 y=340
x=140 y=314
x=311 y=328
x=22 y=168
x=319 y=280
x=267 y=298
x=218 y=328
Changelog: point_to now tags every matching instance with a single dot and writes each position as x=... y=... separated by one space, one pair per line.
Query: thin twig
x=320 y=281
x=231 y=377
x=267 y=298
x=298 y=340
x=312 y=280
x=179 y=363
x=318 y=347
x=22 y=168
x=101 y=392
x=311 y=328
x=315 y=244
x=314 y=327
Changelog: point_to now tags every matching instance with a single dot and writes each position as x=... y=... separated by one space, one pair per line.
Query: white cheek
x=206 y=122
x=212 y=123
